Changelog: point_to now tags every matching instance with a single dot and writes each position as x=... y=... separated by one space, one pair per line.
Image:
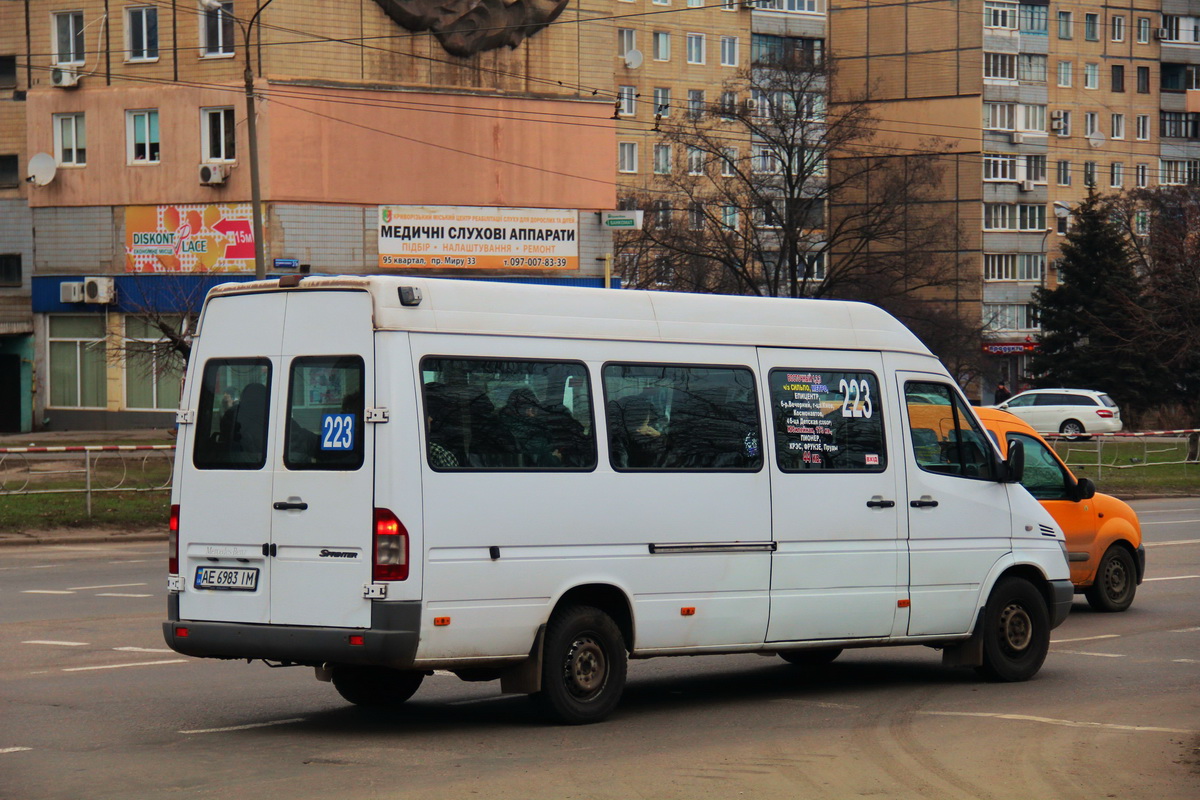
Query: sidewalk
x=83 y=535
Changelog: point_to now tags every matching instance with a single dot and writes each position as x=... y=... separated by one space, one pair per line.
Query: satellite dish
x=634 y=59
x=1061 y=210
x=1095 y=138
x=42 y=169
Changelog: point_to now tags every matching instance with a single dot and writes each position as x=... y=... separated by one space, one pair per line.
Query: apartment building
x=388 y=139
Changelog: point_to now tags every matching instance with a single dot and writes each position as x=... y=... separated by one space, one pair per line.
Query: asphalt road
x=93 y=705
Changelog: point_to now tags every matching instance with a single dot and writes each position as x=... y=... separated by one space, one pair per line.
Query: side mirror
x=1003 y=406
x=1085 y=489
x=1014 y=465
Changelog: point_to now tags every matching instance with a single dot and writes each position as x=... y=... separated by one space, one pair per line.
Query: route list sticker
x=827 y=420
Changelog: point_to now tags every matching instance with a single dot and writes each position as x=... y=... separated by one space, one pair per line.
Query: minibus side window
x=325 y=414
x=827 y=420
x=233 y=414
x=1044 y=477
x=945 y=437
x=668 y=417
x=501 y=415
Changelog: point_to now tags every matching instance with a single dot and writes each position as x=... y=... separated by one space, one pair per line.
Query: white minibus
x=383 y=476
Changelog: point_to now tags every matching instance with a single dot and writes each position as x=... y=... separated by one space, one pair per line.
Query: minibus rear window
x=828 y=420
x=325 y=414
x=233 y=414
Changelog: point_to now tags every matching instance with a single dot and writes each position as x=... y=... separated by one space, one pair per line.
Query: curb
x=26 y=540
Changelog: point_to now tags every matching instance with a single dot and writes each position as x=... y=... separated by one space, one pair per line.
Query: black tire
x=811 y=658
x=1016 y=631
x=583 y=666
x=1116 y=581
x=375 y=687
x=1072 y=429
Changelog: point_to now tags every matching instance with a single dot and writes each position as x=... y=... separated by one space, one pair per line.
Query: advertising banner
x=464 y=237
x=189 y=238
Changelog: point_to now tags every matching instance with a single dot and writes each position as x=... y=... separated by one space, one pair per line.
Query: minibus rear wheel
x=1016 y=631
x=375 y=687
x=583 y=666
x=811 y=658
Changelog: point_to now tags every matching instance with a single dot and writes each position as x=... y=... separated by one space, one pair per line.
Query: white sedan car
x=1071 y=412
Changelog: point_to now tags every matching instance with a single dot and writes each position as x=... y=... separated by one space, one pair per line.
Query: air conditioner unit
x=1026 y=186
x=1017 y=138
x=99 y=290
x=213 y=174
x=1161 y=34
x=1057 y=114
x=1057 y=125
x=64 y=78
x=70 y=292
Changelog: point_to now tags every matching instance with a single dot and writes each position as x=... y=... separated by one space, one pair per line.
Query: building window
x=218 y=134
x=1143 y=80
x=141 y=33
x=626 y=41
x=1142 y=171
x=1179 y=125
x=141 y=135
x=1064 y=124
x=1091 y=123
x=695 y=103
x=68 y=37
x=999 y=116
x=1035 y=19
x=662 y=159
x=1064 y=25
x=1118 y=126
x=152 y=376
x=9 y=177
x=70 y=139
x=1000 y=66
x=1178 y=172
x=1064 y=173
x=626 y=96
x=1033 y=118
x=1009 y=317
x=662 y=102
x=728 y=103
x=1089 y=173
x=1064 y=74
x=1118 y=78
x=77 y=362
x=696 y=215
x=779 y=50
x=999 y=15
x=763 y=159
x=10 y=269
x=1170 y=27
x=1091 y=27
x=1143 y=30
x=1035 y=168
x=729 y=156
x=1091 y=76
x=1013 y=266
x=695 y=48
x=999 y=217
x=8 y=72
x=662 y=45
x=1118 y=28
x=1142 y=125
x=218 y=30
x=729 y=51
x=695 y=161
x=1031 y=217
x=627 y=156
x=1031 y=68
x=1116 y=176
x=729 y=216
x=999 y=167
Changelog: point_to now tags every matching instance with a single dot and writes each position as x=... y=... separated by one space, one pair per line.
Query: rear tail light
x=1104 y=413
x=173 y=542
x=391 y=547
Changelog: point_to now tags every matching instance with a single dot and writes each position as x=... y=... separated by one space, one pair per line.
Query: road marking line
x=1185 y=661
x=1083 y=653
x=245 y=727
x=1064 y=722
x=121 y=594
x=14 y=749
x=35 y=566
x=1171 y=578
x=1086 y=638
x=1168 y=511
x=45 y=591
x=1173 y=542
x=106 y=586
x=1173 y=522
x=60 y=644
x=1186 y=630
x=120 y=666
x=144 y=649
x=135 y=561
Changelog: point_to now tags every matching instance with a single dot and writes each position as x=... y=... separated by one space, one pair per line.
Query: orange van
x=1104 y=537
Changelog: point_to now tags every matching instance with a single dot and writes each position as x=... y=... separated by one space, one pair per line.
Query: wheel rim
x=1116 y=579
x=1016 y=629
x=1071 y=429
x=586 y=668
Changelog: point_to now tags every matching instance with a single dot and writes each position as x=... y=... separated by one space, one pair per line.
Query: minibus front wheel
x=583 y=666
x=1016 y=631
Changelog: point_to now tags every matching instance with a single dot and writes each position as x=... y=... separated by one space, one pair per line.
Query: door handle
x=924 y=502
x=879 y=502
x=288 y=505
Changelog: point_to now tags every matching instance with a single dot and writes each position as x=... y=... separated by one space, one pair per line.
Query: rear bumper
x=1063 y=594
x=391 y=641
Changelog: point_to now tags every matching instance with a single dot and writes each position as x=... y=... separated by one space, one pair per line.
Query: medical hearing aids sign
x=189 y=238
x=461 y=237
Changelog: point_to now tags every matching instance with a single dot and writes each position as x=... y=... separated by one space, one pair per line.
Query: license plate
x=236 y=578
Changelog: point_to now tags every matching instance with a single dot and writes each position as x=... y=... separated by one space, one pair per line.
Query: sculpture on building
x=467 y=27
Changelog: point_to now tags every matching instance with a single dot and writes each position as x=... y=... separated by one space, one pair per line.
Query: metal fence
x=1121 y=454
x=86 y=469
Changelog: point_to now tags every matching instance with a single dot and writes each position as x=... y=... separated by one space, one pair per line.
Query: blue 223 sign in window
x=337 y=432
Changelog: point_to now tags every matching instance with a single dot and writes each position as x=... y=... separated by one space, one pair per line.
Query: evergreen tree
x=1088 y=340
